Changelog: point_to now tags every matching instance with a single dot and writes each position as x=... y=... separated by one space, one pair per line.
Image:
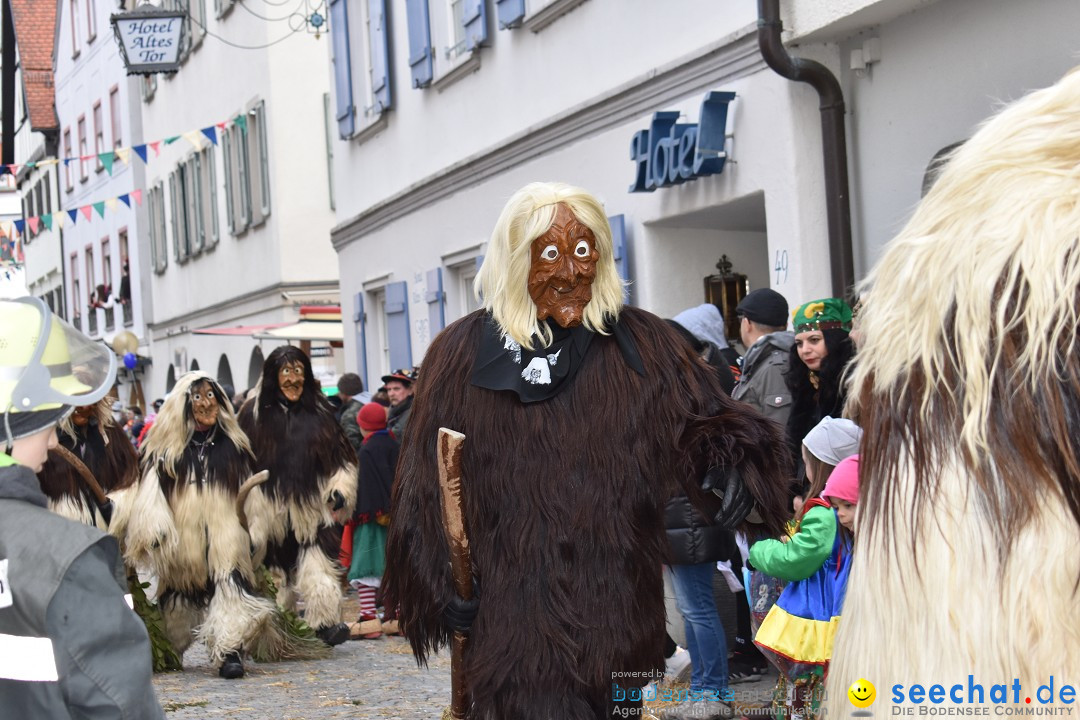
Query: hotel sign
x=150 y=39
x=671 y=153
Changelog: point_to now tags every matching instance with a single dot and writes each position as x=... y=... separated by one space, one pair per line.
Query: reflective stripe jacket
x=69 y=644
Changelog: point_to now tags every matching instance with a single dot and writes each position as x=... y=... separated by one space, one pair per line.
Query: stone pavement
x=375 y=679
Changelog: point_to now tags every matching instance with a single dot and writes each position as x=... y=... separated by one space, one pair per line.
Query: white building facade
x=98 y=110
x=445 y=107
x=237 y=202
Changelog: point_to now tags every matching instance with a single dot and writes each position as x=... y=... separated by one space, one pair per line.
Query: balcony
x=110 y=320
x=91 y=325
x=129 y=314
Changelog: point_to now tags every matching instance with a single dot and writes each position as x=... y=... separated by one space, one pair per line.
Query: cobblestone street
x=362 y=679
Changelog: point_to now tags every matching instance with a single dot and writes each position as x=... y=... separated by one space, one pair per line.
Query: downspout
x=834 y=143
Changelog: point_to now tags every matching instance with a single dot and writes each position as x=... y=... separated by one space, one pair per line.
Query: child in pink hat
x=842 y=491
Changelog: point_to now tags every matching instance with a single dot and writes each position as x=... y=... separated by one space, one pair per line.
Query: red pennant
x=33 y=223
x=156 y=145
x=86 y=210
x=221 y=126
x=137 y=196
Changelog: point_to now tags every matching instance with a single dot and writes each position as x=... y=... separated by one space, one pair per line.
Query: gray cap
x=833 y=439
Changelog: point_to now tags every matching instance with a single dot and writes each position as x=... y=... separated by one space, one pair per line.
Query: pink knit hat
x=843 y=483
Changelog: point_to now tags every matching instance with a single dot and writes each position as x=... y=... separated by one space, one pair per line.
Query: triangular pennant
x=137 y=194
x=14 y=169
x=107 y=159
x=140 y=150
x=111 y=203
x=211 y=133
x=67 y=161
x=31 y=165
x=125 y=199
x=171 y=140
x=74 y=215
x=47 y=219
x=124 y=154
x=221 y=126
x=50 y=161
x=156 y=146
x=58 y=218
x=100 y=207
x=86 y=210
x=193 y=137
x=241 y=120
x=5 y=228
x=33 y=223
x=19 y=225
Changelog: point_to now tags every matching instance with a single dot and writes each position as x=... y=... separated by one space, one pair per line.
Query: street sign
x=150 y=39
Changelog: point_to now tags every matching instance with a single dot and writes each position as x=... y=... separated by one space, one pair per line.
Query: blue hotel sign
x=670 y=153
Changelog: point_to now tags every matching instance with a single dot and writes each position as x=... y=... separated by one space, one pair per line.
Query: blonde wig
x=502 y=282
x=175 y=425
x=967 y=386
x=103 y=414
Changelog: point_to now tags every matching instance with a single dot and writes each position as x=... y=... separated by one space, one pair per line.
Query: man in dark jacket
x=70 y=646
x=350 y=387
x=763 y=318
x=399 y=386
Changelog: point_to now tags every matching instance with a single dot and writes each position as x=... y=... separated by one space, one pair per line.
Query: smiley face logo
x=862 y=693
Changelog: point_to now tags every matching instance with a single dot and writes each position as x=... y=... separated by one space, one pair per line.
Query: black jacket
x=693 y=541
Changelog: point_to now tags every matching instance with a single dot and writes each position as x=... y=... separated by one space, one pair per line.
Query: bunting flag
x=86 y=210
x=74 y=215
x=125 y=199
x=193 y=137
x=107 y=159
x=241 y=122
x=58 y=218
x=210 y=133
x=140 y=150
x=110 y=203
x=156 y=146
x=124 y=154
x=137 y=194
x=171 y=140
x=100 y=207
x=19 y=225
x=33 y=223
x=47 y=219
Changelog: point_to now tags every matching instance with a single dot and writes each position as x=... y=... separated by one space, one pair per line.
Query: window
x=456 y=28
x=68 y=182
x=235 y=147
x=99 y=136
x=114 y=116
x=159 y=249
x=207 y=170
x=221 y=7
x=178 y=196
x=82 y=148
x=328 y=131
x=197 y=23
x=443 y=37
x=46 y=191
x=91 y=283
x=106 y=263
x=76 y=291
x=361 y=64
x=91 y=21
x=259 y=164
x=39 y=200
x=74 y=28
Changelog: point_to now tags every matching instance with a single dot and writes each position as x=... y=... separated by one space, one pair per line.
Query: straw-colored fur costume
x=182 y=523
x=967 y=387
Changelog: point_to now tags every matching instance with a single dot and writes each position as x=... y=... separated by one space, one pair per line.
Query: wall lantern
x=150 y=39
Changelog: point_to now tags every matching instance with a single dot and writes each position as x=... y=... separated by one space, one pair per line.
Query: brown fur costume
x=182 y=523
x=309 y=457
x=968 y=389
x=107 y=453
x=563 y=502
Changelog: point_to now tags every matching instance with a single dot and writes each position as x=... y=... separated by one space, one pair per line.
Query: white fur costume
x=967 y=386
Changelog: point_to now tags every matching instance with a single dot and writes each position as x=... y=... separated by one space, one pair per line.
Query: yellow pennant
x=124 y=154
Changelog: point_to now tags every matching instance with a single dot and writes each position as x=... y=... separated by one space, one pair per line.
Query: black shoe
x=740 y=672
x=232 y=668
x=333 y=634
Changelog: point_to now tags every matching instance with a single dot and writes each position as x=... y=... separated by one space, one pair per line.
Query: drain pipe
x=834 y=143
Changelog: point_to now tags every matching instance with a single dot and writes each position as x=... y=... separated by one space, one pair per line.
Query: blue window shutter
x=619 y=249
x=436 y=300
x=510 y=13
x=380 y=56
x=475 y=18
x=360 y=330
x=416 y=12
x=339 y=39
x=397 y=325
x=479 y=262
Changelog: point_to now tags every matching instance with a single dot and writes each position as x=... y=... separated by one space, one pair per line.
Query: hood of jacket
x=765 y=346
x=18 y=482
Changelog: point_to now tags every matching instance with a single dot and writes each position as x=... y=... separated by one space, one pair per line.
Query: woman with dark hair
x=819 y=357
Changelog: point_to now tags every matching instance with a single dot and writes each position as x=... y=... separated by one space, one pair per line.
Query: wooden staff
x=241 y=496
x=451 y=446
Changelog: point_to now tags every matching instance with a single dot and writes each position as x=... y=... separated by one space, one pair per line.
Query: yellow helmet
x=46 y=367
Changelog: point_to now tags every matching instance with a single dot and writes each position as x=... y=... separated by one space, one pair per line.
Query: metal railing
x=129 y=313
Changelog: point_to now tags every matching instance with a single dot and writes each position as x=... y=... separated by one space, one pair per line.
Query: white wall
x=944 y=69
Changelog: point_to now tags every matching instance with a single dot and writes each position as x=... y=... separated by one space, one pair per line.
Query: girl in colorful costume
x=797 y=635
